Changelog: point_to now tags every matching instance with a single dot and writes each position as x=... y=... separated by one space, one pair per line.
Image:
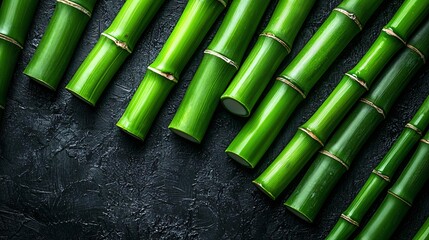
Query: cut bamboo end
x=240 y=159
x=81 y=97
x=235 y=106
x=261 y=187
x=298 y=213
x=184 y=135
x=132 y=132
x=41 y=81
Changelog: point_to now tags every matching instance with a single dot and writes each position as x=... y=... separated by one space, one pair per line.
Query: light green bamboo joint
x=11 y=40
x=349 y=219
x=75 y=5
x=292 y=85
x=371 y=104
x=332 y=156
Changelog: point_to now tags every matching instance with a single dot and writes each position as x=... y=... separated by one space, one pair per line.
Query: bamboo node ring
x=371 y=104
x=412 y=127
x=424 y=141
x=384 y=177
x=163 y=74
x=291 y=84
x=350 y=15
x=312 y=135
x=399 y=197
x=328 y=154
x=349 y=219
x=11 y=40
x=273 y=36
x=223 y=57
x=392 y=33
x=416 y=50
x=222 y=2
x=117 y=42
x=356 y=79
x=75 y=5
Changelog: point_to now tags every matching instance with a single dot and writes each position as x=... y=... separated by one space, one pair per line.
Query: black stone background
x=66 y=171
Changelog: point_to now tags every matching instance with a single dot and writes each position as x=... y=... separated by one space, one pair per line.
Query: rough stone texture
x=66 y=171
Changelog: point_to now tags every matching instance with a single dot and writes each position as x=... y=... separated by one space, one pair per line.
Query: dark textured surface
x=67 y=172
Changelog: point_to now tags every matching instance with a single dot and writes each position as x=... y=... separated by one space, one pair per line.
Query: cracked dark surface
x=66 y=171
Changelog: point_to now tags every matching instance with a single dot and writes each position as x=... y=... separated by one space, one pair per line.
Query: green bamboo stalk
x=219 y=64
x=116 y=43
x=164 y=72
x=400 y=196
x=336 y=32
x=314 y=133
x=381 y=175
x=55 y=50
x=423 y=233
x=272 y=47
x=337 y=156
x=15 y=20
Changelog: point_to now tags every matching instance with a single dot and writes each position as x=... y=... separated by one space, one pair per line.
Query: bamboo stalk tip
x=76 y=94
x=130 y=132
x=40 y=81
x=298 y=213
x=241 y=160
x=184 y=135
x=235 y=106
x=261 y=187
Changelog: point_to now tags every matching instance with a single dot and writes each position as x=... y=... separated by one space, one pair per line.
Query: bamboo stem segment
x=323 y=175
x=55 y=50
x=163 y=73
x=293 y=85
x=423 y=233
x=15 y=21
x=400 y=196
x=220 y=63
x=272 y=47
x=116 y=43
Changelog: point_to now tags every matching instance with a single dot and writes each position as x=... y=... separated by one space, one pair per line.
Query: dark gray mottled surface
x=66 y=171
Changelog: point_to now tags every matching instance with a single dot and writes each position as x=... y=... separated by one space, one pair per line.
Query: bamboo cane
x=337 y=156
x=15 y=20
x=164 y=72
x=400 y=196
x=272 y=47
x=381 y=175
x=423 y=233
x=220 y=62
x=55 y=50
x=337 y=31
x=114 y=46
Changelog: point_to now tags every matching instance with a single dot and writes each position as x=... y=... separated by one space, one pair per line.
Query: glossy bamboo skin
x=213 y=75
x=15 y=21
x=323 y=175
x=400 y=196
x=55 y=50
x=423 y=233
x=107 y=56
x=266 y=56
x=190 y=30
x=375 y=184
x=336 y=32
